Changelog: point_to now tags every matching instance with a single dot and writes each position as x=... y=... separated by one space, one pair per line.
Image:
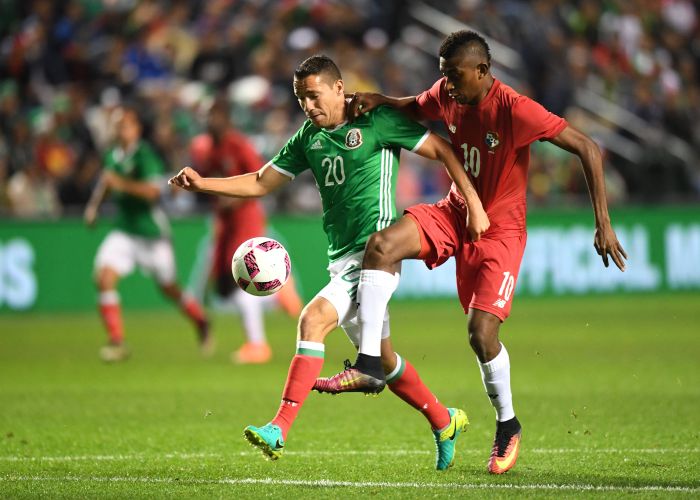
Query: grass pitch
x=607 y=389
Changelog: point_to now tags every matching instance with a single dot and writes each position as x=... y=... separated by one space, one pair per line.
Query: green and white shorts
x=124 y=252
x=341 y=291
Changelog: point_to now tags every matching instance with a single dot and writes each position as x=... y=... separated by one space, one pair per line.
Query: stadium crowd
x=67 y=65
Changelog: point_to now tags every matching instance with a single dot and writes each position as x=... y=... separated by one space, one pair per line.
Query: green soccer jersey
x=136 y=215
x=355 y=166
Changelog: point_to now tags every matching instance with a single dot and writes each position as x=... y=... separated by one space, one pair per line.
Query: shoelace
x=502 y=442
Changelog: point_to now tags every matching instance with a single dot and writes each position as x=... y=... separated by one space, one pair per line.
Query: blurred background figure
x=133 y=175
x=626 y=72
x=222 y=151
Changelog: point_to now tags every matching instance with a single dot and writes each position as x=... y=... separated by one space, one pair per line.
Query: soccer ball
x=261 y=266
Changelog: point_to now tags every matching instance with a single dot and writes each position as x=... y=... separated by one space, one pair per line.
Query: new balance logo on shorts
x=500 y=303
x=316 y=145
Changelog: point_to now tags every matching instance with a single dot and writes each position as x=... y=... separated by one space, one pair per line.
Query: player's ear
x=339 y=86
x=483 y=69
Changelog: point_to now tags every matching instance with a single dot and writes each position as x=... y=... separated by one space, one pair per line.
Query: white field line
x=188 y=456
x=352 y=484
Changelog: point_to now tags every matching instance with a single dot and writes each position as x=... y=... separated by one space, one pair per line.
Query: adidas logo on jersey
x=316 y=145
x=500 y=303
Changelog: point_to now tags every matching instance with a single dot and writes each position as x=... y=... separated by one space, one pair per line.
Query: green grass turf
x=607 y=389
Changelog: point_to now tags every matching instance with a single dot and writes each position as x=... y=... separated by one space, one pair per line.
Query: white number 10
x=507 y=286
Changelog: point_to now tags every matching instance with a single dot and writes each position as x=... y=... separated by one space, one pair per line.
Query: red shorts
x=230 y=230
x=487 y=270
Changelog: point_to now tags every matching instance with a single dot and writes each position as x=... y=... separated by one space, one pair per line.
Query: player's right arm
x=252 y=185
x=96 y=198
x=425 y=106
x=362 y=102
x=437 y=148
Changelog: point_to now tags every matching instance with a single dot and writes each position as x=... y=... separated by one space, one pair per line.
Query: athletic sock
x=111 y=312
x=509 y=427
x=251 y=310
x=406 y=384
x=305 y=367
x=496 y=377
x=373 y=293
x=192 y=309
x=370 y=365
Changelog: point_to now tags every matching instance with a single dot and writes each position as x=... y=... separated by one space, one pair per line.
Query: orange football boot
x=506 y=446
x=251 y=353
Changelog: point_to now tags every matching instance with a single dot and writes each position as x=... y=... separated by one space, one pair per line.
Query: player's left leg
x=378 y=280
x=494 y=364
x=115 y=258
x=191 y=308
x=157 y=257
x=256 y=350
x=446 y=423
x=494 y=284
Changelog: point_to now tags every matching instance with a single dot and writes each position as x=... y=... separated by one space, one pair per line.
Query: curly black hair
x=469 y=41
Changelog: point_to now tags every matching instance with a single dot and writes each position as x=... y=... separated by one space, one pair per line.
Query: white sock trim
x=397 y=368
x=109 y=297
x=500 y=361
x=316 y=346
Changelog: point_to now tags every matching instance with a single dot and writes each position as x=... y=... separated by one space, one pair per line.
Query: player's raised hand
x=477 y=223
x=187 y=179
x=606 y=244
x=360 y=103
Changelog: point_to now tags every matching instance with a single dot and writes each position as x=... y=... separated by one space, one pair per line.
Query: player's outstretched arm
x=605 y=243
x=252 y=185
x=96 y=198
x=362 y=102
x=437 y=148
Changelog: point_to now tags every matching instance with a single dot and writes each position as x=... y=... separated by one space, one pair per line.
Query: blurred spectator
x=66 y=65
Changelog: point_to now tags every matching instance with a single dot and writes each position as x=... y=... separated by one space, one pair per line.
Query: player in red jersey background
x=491 y=126
x=224 y=152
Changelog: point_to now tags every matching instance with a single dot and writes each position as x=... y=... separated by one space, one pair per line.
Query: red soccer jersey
x=494 y=139
x=236 y=220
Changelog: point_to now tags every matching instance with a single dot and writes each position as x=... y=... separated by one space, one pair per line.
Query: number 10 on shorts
x=507 y=286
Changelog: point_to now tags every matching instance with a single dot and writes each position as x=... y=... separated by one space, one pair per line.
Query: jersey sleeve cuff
x=282 y=171
x=421 y=141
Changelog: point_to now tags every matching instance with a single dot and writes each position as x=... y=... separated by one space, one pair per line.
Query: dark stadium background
x=605 y=364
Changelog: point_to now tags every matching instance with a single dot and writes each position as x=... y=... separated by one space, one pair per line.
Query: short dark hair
x=315 y=65
x=469 y=41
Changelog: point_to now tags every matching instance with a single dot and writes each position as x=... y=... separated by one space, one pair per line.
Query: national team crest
x=492 y=140
x=354 y=138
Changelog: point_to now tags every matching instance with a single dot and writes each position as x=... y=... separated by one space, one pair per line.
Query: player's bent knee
x=380 y=250
x=315 y=322
x=106 y=279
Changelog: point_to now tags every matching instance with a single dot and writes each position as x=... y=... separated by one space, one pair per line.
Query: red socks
x=111 y=312
x=192 y=309
x=406 y=384
x=303 y=370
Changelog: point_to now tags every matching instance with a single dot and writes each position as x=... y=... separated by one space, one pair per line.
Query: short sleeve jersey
x=135 y=215
x=355 y=167
x=234 y=155
x=494 y=140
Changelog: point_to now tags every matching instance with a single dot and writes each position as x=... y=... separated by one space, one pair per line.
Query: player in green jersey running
x=133 y=174
x=355 y=167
